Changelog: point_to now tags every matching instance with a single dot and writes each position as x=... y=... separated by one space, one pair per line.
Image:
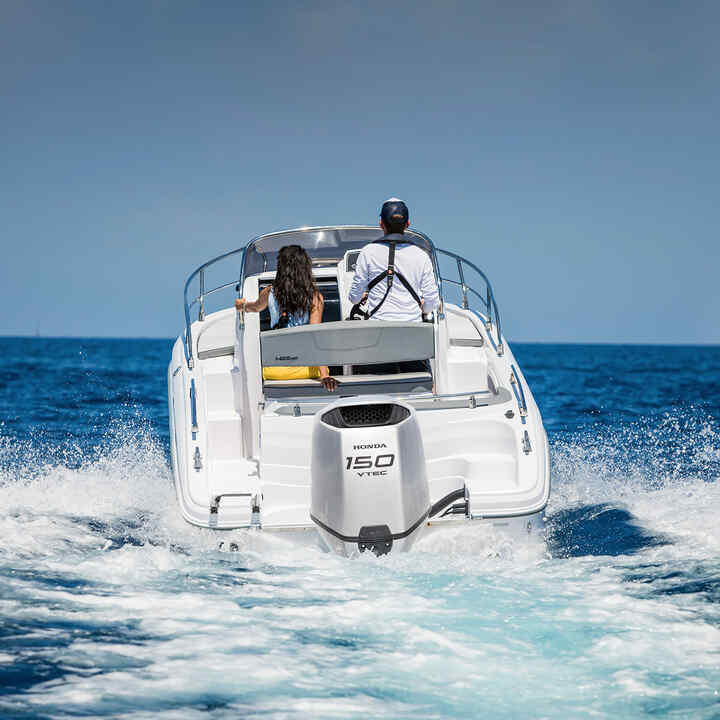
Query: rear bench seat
x=334 y=343
x=351 y=385
x=349 y=343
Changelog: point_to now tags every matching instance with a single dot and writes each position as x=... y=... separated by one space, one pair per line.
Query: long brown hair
x=294 y=286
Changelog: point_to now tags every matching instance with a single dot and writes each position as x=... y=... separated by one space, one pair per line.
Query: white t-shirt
x=400 y=305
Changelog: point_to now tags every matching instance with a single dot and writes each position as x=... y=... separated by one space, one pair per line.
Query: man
x=396 y=278
x=410 y=289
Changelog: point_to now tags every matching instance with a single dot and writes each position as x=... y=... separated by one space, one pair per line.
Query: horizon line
x=617 y=343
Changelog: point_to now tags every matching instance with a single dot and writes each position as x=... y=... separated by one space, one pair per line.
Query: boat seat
x=419 y=382
x=347 y=342
x=217 y=336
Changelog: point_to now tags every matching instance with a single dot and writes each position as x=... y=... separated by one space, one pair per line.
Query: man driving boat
x=417 y=290
x=395 y=278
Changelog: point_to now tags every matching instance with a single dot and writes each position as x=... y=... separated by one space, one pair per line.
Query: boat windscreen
x=324 y=245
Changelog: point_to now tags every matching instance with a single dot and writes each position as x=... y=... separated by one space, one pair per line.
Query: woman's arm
x=258 y=305
x=316 y=311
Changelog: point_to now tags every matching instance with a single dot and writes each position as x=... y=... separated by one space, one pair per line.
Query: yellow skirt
x=291 y=373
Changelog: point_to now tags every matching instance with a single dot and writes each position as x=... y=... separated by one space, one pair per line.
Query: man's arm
x=428 y=287
x=360 y=279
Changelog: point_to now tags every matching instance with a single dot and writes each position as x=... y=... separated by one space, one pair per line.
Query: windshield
x=324 y=245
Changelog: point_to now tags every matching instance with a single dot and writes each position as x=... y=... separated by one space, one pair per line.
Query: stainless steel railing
x=488 y=307
x=482 y=302
x=200 y=299
x=519 y=393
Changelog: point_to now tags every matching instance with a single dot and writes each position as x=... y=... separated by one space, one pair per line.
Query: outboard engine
x=369 y=483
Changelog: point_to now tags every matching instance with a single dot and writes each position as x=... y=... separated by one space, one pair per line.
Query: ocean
x=112 y=606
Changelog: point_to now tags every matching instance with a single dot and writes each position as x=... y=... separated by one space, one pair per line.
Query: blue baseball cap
x=394 y=211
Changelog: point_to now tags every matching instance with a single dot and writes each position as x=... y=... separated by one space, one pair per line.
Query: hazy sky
x=571 y=149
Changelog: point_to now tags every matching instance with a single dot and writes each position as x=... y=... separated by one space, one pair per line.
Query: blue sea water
x=112 y=606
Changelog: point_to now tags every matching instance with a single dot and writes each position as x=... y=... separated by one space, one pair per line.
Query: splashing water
x=113 y=606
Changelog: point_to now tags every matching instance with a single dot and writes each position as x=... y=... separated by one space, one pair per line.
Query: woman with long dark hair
x=292 y=300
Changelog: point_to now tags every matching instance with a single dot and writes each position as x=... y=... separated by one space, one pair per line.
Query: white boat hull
x=478 y=448
x=242 y=448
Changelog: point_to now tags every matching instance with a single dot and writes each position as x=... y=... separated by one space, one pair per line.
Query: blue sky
x=569 y=148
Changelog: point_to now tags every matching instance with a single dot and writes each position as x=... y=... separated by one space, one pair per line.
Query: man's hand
x=240 y=304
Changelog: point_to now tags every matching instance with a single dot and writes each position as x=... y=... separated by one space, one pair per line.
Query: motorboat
x=385 y=458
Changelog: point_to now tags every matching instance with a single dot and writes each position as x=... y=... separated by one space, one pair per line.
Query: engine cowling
x=369 y=481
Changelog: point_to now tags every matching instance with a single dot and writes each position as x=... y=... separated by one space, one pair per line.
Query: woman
x=292 y=300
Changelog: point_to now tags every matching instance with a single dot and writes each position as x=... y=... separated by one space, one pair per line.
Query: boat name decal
x=286 y=357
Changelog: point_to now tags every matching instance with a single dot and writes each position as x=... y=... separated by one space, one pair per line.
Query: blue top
x=294 y=320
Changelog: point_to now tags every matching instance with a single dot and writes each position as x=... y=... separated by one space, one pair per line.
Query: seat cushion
x=352 y=385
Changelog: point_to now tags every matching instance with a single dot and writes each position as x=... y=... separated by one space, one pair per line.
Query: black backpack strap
x=408 y=287
x=379 y=305
x=389 y=271
x=357 y=313
x=376 y=280
x=391 y=265
x=389 y=274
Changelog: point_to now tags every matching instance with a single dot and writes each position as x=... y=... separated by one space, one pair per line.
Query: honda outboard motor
x=369 y=484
